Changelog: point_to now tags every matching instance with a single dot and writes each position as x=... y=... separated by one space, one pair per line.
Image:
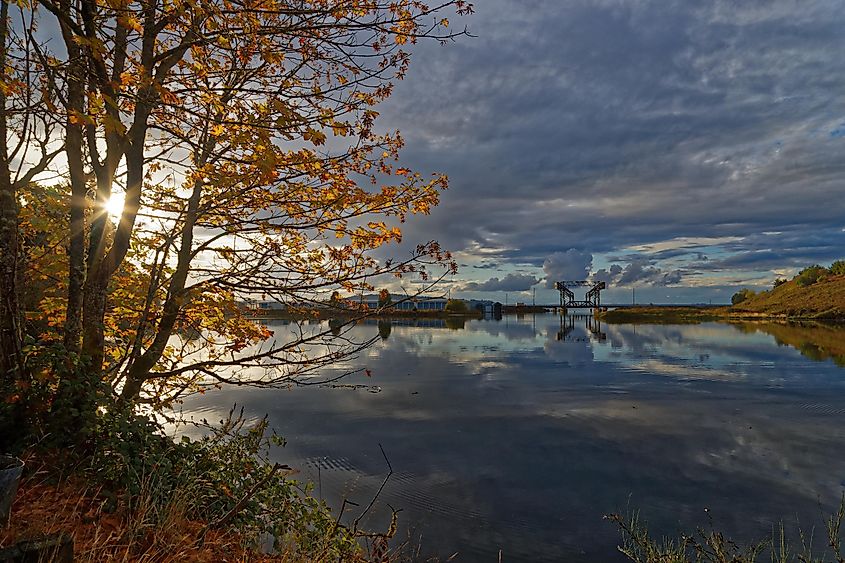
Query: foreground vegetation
x=710 y=546
x=139 y=496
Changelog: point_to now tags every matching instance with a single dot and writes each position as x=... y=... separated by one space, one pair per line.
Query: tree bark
x=103 y=263
x=140 y=368
x=10 y=317
x=73 y=149
x=11 y=360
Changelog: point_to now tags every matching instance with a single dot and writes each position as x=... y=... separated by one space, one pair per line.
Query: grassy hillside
x=824 y=299
x=816 y=293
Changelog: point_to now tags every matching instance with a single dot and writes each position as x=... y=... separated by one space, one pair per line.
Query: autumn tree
x=242 y=137
x=27 y=146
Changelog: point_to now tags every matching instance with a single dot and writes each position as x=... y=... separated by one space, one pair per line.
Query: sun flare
x=114 y=206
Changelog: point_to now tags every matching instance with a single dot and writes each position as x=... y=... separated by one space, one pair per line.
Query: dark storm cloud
x=599 y=125
x=781 y=250
x=511 y=282
x=608 y=275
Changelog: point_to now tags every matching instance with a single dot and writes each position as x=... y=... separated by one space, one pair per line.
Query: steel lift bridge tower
x=592 y=300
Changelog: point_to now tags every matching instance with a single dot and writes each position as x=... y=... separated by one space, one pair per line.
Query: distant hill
x=816 y=293
x=824 y=299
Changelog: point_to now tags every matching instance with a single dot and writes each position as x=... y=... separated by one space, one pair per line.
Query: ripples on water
x=519 y=435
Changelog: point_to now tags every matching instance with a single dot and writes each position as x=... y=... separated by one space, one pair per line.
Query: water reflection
x=384 y=328
x=591 y=324
x=816 y=341
x=520 y=434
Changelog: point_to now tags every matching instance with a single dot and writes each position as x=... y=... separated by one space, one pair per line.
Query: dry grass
x=144 y=529
x=46 y=506
x=825 y=299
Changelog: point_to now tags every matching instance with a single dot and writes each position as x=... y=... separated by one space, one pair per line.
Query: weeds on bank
x=140 y=496
x=708 y=546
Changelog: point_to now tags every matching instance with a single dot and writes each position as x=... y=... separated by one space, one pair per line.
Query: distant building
x=265 y=306
x=401 y=303
x=423 y=303
x=368 y=301
x=486 y=306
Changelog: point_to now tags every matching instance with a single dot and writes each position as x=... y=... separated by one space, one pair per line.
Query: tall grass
x=711 y=546
x=142 y=497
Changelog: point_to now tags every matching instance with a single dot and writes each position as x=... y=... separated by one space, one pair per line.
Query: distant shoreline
x=659 y=314
x=688 y=314
x=326 y=314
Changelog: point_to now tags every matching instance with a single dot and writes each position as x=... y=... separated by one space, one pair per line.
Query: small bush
x=456 y=306
x=809 y=276
x=742 y=295
x=838 y=268
x=779 y=282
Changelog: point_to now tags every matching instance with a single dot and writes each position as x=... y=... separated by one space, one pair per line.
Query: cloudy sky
x=682 y=148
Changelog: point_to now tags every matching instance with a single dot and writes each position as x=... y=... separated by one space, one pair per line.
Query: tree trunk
x=11 y=361
x=93 y=320
x=11 y=364
x=76 y=247
x=140 y=368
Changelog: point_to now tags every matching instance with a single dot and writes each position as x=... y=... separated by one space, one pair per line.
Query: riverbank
x=135 y=494
x=693 y=314
x=67 y=509
x=815 y=294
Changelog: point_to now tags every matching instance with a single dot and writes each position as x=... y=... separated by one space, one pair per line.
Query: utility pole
x=534 y=297
x=506 y=299
x=633 y=296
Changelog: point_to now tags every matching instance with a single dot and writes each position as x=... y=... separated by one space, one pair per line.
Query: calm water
x=519 y=435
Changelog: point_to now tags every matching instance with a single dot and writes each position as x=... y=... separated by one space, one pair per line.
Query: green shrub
x=838 y=268
x=779 y=282
x=809 y=276
x=456 y=306
x=742 y=295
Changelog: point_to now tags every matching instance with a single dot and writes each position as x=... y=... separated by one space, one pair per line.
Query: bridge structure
x=592 y=299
